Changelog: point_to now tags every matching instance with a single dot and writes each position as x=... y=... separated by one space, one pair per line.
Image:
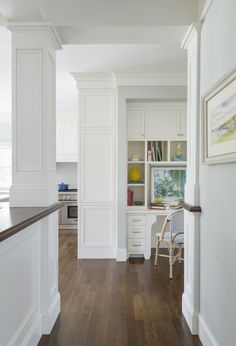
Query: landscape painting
x=167 y=184
x=220 y=121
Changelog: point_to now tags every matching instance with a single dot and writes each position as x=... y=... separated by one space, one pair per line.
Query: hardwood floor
x=105 y=303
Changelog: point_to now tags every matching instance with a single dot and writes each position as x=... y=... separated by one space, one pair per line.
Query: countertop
x=13 y=220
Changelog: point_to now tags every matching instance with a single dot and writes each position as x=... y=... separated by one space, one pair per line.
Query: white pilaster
x=97 y=178
x=33 y=115
x=190 y=300
x=34 y=147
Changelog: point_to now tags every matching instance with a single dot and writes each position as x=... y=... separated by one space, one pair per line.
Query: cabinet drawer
x=136 y=232
x=136 y=220
x=136 y=245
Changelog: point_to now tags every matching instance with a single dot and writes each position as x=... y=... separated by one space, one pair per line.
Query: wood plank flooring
x=105 y=303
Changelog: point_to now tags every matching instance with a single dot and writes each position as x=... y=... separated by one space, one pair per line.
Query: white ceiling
x=109 y=35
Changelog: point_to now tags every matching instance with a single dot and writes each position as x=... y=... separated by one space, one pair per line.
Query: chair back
x=168 y=222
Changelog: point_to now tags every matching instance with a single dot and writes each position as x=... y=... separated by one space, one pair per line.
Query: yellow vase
x=135 y=174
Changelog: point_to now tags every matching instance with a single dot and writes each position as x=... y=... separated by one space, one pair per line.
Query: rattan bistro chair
x=173 y=240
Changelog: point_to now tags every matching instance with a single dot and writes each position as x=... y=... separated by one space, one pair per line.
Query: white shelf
x=167 y=163
x=133 y=184
x=133 y=162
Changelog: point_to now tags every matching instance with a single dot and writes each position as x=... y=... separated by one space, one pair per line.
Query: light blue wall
x=218 y=189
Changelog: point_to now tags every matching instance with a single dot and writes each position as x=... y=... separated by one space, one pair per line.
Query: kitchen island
x=29 y=297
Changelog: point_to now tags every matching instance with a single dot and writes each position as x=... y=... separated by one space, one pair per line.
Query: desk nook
x=156 y=165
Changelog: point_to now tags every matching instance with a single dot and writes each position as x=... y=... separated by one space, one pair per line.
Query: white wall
x=67 y=173
x=218 y=193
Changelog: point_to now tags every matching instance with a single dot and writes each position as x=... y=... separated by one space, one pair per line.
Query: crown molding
x=150 y=78
x=90 y=80
x=3 y=20
x=205 y=9
x=37 y=28
x=195 y=27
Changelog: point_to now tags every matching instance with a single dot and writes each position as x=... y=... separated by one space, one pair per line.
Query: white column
x=97 y=178
x=33 y=115
x=34 y=147
x=190 y=299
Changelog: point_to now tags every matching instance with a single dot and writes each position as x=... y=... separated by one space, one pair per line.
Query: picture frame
x=219 y=121
x=167 y=184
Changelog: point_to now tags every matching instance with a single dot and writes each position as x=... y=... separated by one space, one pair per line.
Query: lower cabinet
x=136 y=234
x=97 y=232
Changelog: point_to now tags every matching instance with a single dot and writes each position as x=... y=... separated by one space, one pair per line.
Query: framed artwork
x=219 y=121
x=167 y=184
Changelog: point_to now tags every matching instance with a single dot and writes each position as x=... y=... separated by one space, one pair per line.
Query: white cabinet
x=166 y=124
x=136 y=234
x=136 y=124
x=67 y=136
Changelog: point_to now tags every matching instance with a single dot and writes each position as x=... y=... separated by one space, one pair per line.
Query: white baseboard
x=191 y=317
x=121 y=255
x=205 y=334
x=29 y=331
x=49 y=318
x=96 y=252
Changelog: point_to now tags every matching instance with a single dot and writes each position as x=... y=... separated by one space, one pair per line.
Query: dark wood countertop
x=13 y=220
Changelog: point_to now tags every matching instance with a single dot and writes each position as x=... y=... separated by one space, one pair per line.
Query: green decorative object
x=135 y=174
x=178 y=152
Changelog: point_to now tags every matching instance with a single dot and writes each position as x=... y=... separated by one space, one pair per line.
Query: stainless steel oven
x=68 y=218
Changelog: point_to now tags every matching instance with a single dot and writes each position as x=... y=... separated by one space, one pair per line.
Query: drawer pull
x=137 y=245
x=137 y=220
x=137 y=232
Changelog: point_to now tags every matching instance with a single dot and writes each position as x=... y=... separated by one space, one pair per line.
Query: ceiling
x=106 y=21
x=110 y=35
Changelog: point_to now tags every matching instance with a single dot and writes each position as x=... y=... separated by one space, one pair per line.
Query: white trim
x=191 y=317
x=150 y=78
x=205 y=9
x=189 y=34
x=49 y=319
x=205 y=335
x=94 y=80
x=37 y=27
x=3 y=20
x=121 y=255
x=28 y=330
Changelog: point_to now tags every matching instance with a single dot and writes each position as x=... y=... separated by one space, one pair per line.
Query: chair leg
x=171 y=260
x=180 y=252
x=157 y=251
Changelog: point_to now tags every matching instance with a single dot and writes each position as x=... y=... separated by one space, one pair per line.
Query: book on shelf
x=159 y=158
x=153 y=154
x=158 y=206
x=149 y=155
x=130 y=197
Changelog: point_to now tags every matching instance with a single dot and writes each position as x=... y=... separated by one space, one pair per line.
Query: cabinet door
x=67 y=136
x=67 y=142
x=163 y=124
x=136 y=124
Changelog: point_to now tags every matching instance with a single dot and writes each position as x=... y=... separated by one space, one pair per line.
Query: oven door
x=69 y=214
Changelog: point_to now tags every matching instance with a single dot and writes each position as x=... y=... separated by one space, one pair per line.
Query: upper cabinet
x=166 y=123
x=136 y=124
x=160 y=120
x=67 y=136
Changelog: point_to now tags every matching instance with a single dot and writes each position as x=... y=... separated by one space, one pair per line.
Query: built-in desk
x=139 y=226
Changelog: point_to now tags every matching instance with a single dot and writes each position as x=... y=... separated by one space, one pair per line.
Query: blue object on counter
x=63 y=187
